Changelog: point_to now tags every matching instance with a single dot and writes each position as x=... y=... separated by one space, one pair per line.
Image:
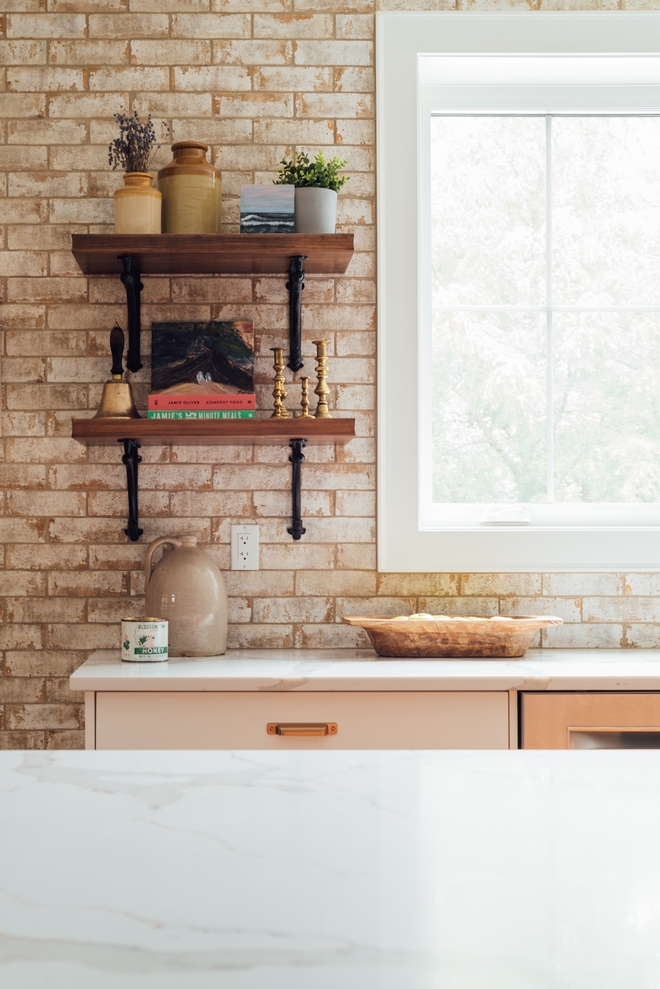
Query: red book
x=201 y=402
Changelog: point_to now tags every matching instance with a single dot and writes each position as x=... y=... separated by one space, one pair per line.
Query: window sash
x=403 y=543
x=434 y=515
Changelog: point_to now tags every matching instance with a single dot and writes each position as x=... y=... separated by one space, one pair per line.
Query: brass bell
x=117 y=398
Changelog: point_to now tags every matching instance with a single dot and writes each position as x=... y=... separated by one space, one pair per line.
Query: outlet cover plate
x=245 y=547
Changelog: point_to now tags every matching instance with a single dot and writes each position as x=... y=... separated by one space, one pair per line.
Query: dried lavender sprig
x=136 y=145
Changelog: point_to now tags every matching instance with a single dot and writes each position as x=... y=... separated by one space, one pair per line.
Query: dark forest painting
x=205 y=358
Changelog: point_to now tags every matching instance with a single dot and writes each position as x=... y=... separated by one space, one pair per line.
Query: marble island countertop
x=350 y=669
x=369 y=870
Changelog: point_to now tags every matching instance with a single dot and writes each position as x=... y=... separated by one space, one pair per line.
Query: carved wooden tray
x=452 y=635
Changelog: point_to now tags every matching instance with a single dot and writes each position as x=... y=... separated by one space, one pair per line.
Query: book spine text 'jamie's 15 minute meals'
x=202 y=414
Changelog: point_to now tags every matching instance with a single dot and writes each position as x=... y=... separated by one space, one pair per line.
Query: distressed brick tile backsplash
x=255 y=79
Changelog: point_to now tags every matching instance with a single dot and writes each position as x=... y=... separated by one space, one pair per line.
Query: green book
x=201 y=414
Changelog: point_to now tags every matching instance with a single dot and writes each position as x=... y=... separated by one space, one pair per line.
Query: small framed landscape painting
x=267 y=209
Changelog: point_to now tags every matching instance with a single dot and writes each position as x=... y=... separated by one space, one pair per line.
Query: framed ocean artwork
x=267 y=209
x=202 y=358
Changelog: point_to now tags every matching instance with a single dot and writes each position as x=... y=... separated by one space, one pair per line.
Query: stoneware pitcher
x=187 y=589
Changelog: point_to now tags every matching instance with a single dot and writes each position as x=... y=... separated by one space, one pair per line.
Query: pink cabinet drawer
x=363 y=720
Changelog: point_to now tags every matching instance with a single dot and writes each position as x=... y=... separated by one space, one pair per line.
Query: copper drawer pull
x=297 y=728
x=607 y=737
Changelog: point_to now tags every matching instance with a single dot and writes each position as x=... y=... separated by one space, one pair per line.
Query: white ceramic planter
x=316 y=211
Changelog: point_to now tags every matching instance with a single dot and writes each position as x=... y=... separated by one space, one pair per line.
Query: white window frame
x=406 y=542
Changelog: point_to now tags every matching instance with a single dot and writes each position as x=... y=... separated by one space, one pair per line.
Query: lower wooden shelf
x=157 y=432
x=134 y=433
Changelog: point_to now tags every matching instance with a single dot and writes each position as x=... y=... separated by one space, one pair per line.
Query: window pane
x=488 y=210
x=607 y=407
x=489 y=407
x=606 y=211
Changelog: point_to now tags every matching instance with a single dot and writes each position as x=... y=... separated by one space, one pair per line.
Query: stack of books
x=181 y=406
x=202 y=371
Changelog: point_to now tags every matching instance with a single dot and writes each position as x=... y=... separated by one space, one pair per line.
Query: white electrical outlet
x=245 y=547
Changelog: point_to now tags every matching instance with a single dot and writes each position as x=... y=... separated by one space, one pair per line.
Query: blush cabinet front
x=283 y=720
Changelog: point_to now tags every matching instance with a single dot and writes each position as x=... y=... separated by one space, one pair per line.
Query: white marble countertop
x=337 y=870
x=350 y=669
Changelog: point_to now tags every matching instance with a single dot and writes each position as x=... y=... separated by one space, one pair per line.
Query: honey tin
x=143 y=640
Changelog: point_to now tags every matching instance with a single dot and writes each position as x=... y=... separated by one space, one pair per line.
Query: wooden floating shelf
x=207 y=432
x=211 y=254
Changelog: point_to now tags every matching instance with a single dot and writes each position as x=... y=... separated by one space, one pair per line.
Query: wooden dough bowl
x=452 y=636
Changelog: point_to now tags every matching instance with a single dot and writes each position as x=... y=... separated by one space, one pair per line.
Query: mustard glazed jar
x=137 y=205
x=192 y=191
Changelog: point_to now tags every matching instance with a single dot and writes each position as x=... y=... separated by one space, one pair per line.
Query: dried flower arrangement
x=136 y=145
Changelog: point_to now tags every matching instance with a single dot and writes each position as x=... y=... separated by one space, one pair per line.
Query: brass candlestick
x=322 y=389
x=279 y=391
x=304 y=400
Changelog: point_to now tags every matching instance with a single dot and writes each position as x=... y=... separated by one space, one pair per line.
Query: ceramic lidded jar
x=137 y=205
x=187 y=589
x=192 y=191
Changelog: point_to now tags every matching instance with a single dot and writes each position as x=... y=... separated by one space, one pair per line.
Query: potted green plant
x=317 y=184
x=137 y=203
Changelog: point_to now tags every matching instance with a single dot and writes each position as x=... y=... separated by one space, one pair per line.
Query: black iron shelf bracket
x=131 y=459
x=296 y=286
x=297 y=459
x=131 y=281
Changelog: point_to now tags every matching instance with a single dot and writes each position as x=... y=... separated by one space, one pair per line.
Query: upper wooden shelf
x=209 y=254
x=208 y=432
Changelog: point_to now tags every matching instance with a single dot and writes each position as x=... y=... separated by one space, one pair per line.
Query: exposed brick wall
x=255 y=79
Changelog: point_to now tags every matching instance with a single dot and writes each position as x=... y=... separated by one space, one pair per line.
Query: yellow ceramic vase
x=137 y=205
x=192 y=191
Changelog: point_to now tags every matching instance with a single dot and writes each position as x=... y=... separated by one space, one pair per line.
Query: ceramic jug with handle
x=187 y=589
